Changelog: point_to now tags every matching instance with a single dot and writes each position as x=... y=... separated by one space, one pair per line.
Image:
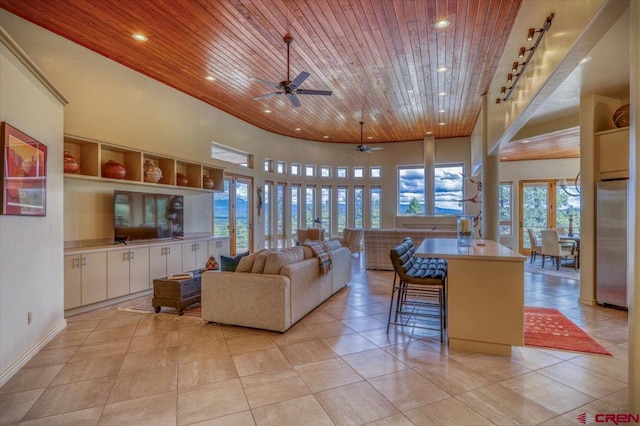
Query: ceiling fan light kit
x=288 y=87
x=362 y=147
x=521 y=66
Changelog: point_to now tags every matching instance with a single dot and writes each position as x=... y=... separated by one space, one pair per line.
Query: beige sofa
x=378 y=243
x=276 y=290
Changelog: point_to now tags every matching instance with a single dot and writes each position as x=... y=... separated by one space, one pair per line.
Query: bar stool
x=418 y=288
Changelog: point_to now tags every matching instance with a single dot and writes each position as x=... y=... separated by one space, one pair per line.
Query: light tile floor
x=336 y=366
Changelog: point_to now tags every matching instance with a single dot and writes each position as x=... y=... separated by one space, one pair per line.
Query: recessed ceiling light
x=525 y=141
x=441 y=110
x=585 y=59
x=443 y=23
x=442 y=123
x=297 y=129
x=140 y=37
x=429 y=133
x=268 y=111
x=326 y=137
x=210 y=78
x=369 y=137
x=409 y=90
x=442 y=69
x=442 y=94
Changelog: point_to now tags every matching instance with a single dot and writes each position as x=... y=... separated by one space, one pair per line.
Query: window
x=230 y=155
x=375 y=198
x=342 y=208
x=310 y=206
x=268 y=165
x=410 y=190
x=449 y=189
x=309 y=171
x=280 y=220
x=295 y=169
x=221 y=209
x=325 y=208
x=281 y=168
x=358 y=206
x=295 y=211
x=358 y=172
x=506 y=189
x=266 y=208
x=341 y=172
x=375 y=172
x=325 y=171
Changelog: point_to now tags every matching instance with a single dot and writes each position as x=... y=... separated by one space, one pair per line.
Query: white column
x=490 y=182
x=429 y=177
x=633 y=257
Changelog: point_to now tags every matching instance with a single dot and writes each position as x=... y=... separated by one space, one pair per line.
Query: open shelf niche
x=92 y=155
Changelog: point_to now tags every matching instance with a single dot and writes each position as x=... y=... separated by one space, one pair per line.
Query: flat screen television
x=147 y=216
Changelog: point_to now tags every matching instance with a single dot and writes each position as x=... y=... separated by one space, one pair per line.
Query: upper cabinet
x=85 y=159
x=612 y=150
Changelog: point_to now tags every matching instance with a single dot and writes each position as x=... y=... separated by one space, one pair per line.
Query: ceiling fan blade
x=268 y=95
x=265 y=82
x=314 y=92
x=376 y=149
x=294 y=100
x=296 y=82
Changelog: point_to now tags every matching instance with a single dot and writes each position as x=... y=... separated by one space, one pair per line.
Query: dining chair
x=568 y=244
x=552 y=247
x=535 y=247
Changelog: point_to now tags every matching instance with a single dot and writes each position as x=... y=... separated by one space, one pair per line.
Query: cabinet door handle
x=125 y=256
x=84 y=261
x=76 y=263
x=168 y=250
x=132 y=255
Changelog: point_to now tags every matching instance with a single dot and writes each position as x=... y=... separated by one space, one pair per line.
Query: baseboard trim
x=7 y=374
x=588 y=302
x=105 y=303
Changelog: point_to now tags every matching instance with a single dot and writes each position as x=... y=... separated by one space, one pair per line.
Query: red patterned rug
x=548 y=328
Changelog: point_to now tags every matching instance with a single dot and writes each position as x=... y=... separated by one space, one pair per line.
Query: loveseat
x=273 y=289
x=378 y=243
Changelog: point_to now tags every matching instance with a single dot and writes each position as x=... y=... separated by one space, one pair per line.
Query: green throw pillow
x=228 y=263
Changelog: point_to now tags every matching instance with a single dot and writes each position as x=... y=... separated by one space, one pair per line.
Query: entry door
x=534 y=211
x=232 y=213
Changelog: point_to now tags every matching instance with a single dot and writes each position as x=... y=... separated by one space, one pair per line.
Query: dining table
x=572 y=238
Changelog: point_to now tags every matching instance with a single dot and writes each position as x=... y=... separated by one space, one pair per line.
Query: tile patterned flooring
x=336 y=366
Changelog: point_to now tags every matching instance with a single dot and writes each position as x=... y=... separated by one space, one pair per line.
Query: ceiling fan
x=288 y=87
x=362 y=147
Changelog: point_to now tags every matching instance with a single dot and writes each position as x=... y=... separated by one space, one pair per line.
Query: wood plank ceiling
x=379 y=57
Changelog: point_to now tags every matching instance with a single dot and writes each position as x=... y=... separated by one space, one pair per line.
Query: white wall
x=31 y=277
x=515 y=171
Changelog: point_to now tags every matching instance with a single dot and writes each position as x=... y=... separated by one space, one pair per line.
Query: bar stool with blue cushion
x=418 y=289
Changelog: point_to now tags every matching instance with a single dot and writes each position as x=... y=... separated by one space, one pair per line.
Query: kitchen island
x=485 y=294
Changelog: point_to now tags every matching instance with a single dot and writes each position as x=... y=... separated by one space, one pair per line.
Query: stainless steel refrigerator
x=611 y=242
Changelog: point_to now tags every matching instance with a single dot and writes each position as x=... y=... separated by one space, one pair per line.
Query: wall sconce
x=521 y=53
x=498 y=100
x=503 y=90
x=562 y=183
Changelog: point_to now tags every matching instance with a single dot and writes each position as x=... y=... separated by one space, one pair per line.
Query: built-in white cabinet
x=612 y=147
x=194 y=255
x=127 y=271
x=97 y=274
x=219 y=246
x=85 y=279
x=164 y=259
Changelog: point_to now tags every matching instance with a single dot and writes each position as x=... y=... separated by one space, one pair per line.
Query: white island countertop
x=447 y=248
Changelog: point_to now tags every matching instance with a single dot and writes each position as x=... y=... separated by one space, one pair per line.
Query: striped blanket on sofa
x=319 y=251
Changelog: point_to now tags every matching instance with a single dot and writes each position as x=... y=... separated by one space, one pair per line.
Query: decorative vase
x=212 y=264
x=181 y=180
x=71 y=165
x=621 y=116
x=113 y=169
x=207 y=182
x=152 y=173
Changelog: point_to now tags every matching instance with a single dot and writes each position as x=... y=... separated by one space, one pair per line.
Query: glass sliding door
x=534 y=211
x=232 y=213
x=242 y=226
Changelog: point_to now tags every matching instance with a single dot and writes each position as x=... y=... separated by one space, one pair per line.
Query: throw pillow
x=331 y=245
x=246 y=263
x=258 y=263
x=228 y=263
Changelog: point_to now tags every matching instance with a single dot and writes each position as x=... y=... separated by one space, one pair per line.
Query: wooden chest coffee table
x=176 y=293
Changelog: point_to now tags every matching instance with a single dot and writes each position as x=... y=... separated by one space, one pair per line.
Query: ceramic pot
x=181 y=180
x=114 y=170
x=207 y=182
x=71 y=165
x=152 y=173
x=621 y=116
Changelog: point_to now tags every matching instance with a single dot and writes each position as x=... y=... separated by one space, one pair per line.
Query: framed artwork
x=24 y=173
